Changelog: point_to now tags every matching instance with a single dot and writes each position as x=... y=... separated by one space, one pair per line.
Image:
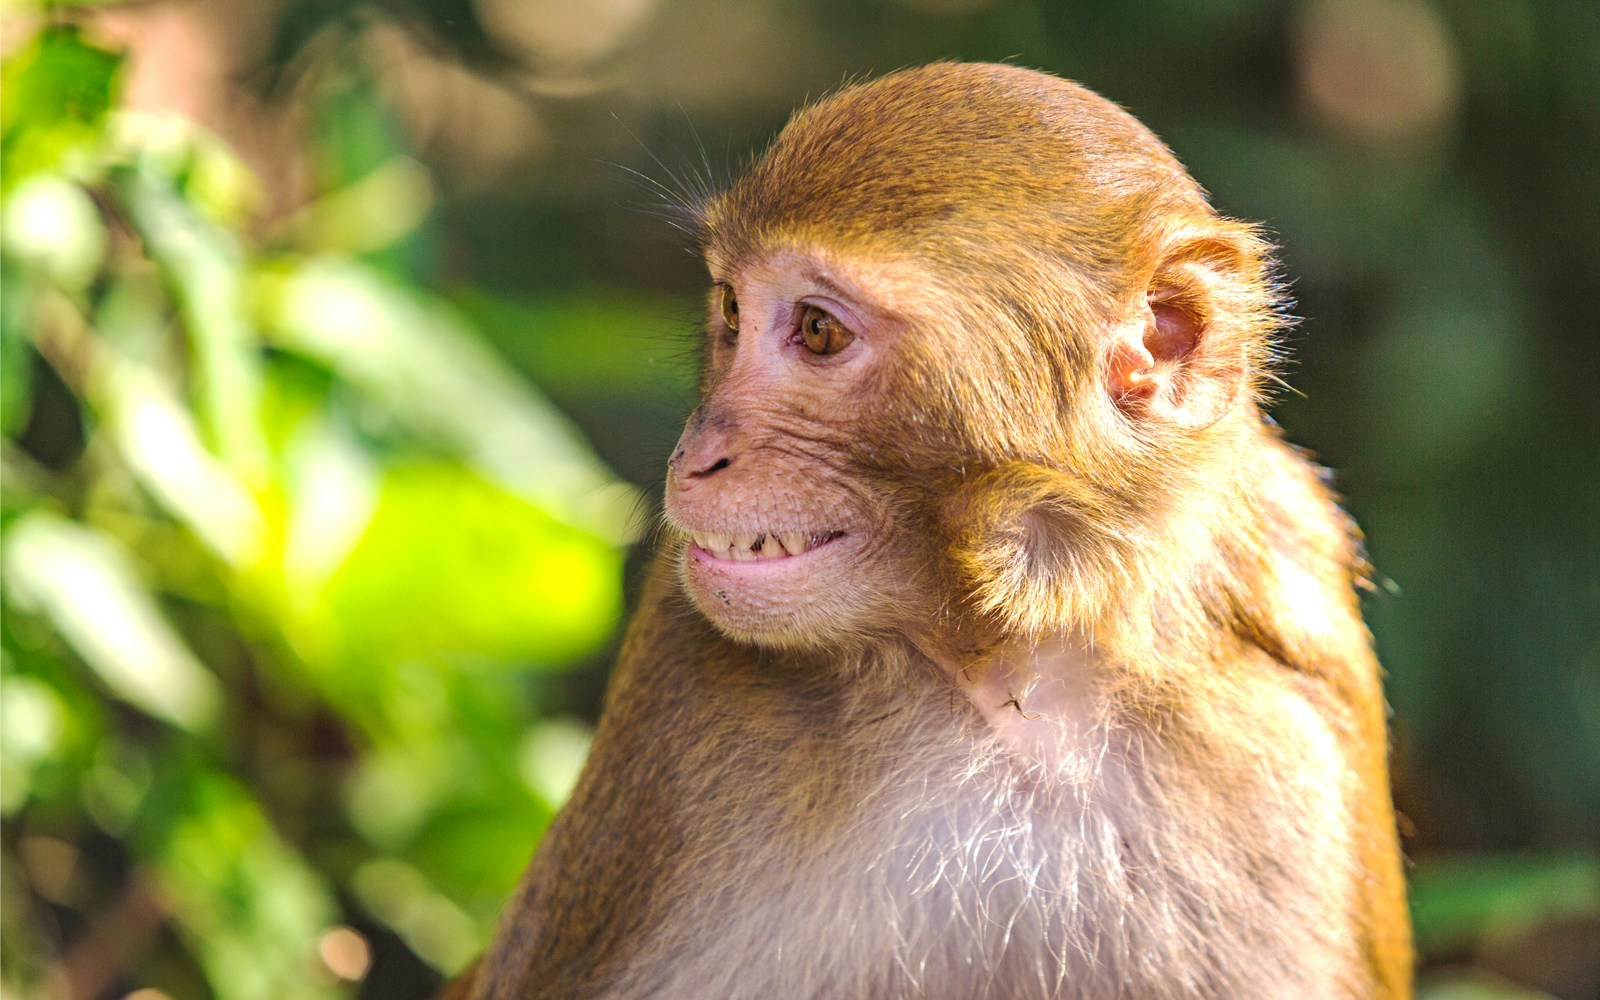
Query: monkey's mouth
x=766 y=546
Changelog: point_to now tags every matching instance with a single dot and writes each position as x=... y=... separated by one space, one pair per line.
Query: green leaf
x=59 y=721
x=16 y=353
x=204 y=265
x=32 y=720
x=368 y=214
x=1470 y=984
x=332 y=487
x=159 y=440
x=477 y=850
x=551 y=757
x=54 y=95
x=248 y=905
x=416 y=358
x=1458 y=901
x=402 y=897
x=452 y=565
x=85 y=584
x=174 y=154
x=50 y=224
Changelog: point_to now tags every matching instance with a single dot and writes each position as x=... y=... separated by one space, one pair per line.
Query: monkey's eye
x=729 y=306
x=822 y=333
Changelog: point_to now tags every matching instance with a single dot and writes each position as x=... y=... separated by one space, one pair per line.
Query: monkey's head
x=971 y=328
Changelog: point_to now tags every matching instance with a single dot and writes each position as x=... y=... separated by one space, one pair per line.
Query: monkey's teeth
x=757 y=546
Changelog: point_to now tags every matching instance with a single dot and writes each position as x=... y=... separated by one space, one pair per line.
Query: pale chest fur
x=1039 y=850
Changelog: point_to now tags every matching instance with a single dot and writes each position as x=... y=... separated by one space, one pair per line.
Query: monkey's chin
x=788 y=601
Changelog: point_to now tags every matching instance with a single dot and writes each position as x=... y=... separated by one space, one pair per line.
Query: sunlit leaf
x=621 y=363
x=87 y=587
x=204 y=265
x=54 y=95
x=51 y=224
x=415 y=357
x=393 y=789
x=175 y=154
x=369 y=214
x=31 y=723
x=434 y=927
x=551 y=757
x=160 y=442
x=333 y=487
x=453 y=565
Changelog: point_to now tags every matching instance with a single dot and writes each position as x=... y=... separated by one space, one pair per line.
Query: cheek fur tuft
x=1033 y=545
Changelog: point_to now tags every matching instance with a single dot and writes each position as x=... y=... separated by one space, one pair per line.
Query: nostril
x=717 y=466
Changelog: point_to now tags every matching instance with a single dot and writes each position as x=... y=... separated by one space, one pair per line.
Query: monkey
x=998 y=644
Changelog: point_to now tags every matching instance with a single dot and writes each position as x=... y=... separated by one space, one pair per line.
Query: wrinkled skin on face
x=785 y=539
x=991 y=324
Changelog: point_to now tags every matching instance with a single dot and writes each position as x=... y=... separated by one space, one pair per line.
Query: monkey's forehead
x=889 y=287
x=953 y=146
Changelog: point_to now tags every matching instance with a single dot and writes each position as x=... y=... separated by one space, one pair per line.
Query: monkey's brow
x=853 y=296
x=831 y=285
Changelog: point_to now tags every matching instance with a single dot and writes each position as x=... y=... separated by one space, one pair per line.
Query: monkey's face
x=785 y=539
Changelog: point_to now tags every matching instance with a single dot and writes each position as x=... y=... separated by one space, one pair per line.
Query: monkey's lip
x=758 y=546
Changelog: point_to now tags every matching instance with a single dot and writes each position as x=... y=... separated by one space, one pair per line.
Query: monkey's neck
x=1041 y=701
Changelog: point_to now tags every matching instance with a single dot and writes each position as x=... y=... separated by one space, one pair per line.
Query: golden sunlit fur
x=1067 y=694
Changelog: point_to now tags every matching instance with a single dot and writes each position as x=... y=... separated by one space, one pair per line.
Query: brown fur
x=1081 y=704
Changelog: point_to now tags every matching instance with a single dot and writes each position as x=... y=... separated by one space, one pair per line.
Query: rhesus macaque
x=1000 y=646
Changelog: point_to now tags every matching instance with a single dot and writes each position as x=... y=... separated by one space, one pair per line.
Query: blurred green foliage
x=287 y=553
x=308 y=590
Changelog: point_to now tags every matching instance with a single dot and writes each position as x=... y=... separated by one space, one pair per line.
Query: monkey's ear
x=1182 y=356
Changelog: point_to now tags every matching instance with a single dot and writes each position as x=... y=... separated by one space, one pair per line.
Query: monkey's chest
x=999 y=887
x=932 y=864
x=1003 y=885
x=958 y=877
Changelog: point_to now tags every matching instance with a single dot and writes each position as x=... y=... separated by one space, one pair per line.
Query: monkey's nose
x=708 y=469
x=706 y=448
